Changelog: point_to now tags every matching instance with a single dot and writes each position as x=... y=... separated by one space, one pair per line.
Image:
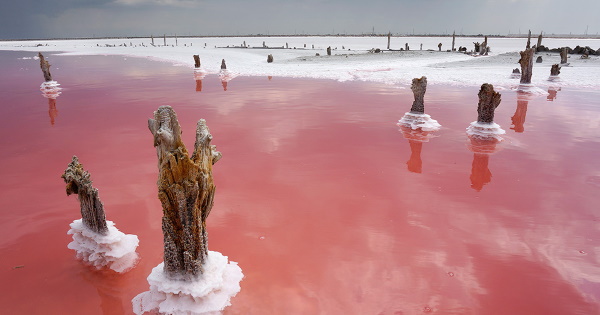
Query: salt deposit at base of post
x=114 y=250
x=350 y=59
x=485 y=130
x=422 y=121
x=209 y=294
x=50 y=89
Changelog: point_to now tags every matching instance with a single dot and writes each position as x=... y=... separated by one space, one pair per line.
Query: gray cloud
x=77 y=18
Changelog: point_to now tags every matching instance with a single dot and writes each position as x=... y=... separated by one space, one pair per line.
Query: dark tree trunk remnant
x=528 y=40
x=419 y=87
x=526 y=62
x=488 y=101
x=406 y=46
x=329 y=51
x=270 y=58
x=563 y=55
x=389 y=39
x=92 y=210
x=483 y=47
x=440 y=46
x=45 y=68
x=516 y=71
x=555 y=70
x=477 y=46
x=196 y=61
x=539 y=42
x=223 y=65
x=453 y=40
x=186 y=191
x=152 y=36
x=539 y=59
x=165 y=39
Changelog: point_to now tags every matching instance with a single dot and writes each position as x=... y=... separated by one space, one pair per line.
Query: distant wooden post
x=223 y=65
x=440 y=46
x=176 y=44
x=406 y=47
x=152 y=36
x=539 y=42
x=264 y=45
x=488 y=101
x=245 y=44
x=196 y=61
x=528 y=40
x=421 y=47
x=286 y=45
x=563 y=55
x=329 y=51
x=165 y=39
x=539 y=59
x=555 y=70
x=45 y=68
x=483 y=48
x=526 y=62
x=453 y=40
x=270 y=58
x=389 y=39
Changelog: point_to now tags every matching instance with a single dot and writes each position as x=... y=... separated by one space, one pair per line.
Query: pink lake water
x=326 y=204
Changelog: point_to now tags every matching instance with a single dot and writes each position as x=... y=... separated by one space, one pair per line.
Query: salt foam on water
x=422 y=121
x=114 y=250
x=209 y=294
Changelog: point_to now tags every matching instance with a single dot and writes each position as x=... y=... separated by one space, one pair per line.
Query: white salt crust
x=419 y=121
x=50 y=89
x=485 y=130
x=114 y=250
x=209 y=294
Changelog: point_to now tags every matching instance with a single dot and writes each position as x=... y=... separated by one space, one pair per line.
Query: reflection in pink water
x=314 y=199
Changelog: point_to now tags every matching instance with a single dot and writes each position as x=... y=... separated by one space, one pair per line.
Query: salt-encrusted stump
x=416 y=118
x=270 y=58
x=555 y=70
x=539 y=42
x=45 y=68
x=329 y=51
x=453 y=39
x=440 y=47
x=563 y=55
x=485 y=127
x=96 y=241
x=477 y=47
x=223 y=65
x=526 y=62
x=516 y=71
x=528 y=40
x=191 y=280
x=539 y=59
x=483 y=49
x=196 y=61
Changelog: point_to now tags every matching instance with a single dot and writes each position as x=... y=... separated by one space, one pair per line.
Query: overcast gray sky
x=87 y=18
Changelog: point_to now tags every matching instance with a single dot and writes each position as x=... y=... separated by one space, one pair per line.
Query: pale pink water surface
x=327 y=205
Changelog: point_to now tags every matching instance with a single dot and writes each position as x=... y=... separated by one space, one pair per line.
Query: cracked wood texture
x=488 y=101
x=92 y=211
x=45 y=68
x=526 y=62
x=186 y=192
x=419 y=86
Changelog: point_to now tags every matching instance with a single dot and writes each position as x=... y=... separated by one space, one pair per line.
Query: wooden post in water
x=418 y=87
x=270 y=58
x=329 y=51
x=488 y=101
x=196 y=61
x=539 y=42
x=453 y=39
x=92 y=210
x=526 y=62
x=165 y=39
x=152 y=37
x=555 y=70
x=563 y=55
x=440 y=46
x=45 y=68
x=223 y=65
x=528 y=40
x=186 y=190
x=389 y=40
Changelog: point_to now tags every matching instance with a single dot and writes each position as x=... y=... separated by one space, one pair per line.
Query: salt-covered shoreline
x=350 y=59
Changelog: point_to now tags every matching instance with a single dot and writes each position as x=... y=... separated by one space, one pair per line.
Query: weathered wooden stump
x=483 y=49
x=389 y=40
x=92 y=210
x=186 y=191
x=165 y=39
x=223 y=65
x=477 y=47
x=421 y=47
x=539 y=59
x=270 y=58
x=419 y=87
x=563 y=55
x=528 y=40
x=264 y=45
x=196 y=61
x=539 y=42
x=488 y=101
x=406 y=47
x=516 y=71
x=526 y=62
x=440 y=46
x=329 y=51
x=555 y=70
x=45 y=68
